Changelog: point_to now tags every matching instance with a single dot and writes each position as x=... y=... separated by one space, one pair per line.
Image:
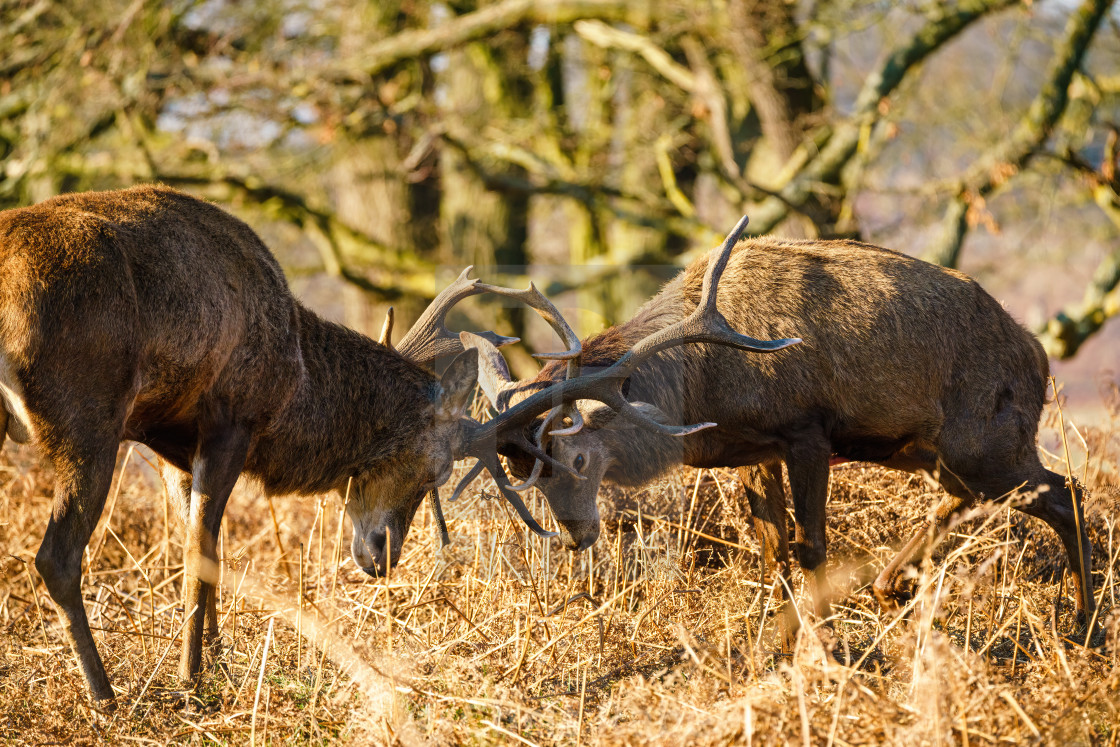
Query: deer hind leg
x=221 y=456
x=890 y=587
x=177 y=483
x=83 y=474
x=767 y=498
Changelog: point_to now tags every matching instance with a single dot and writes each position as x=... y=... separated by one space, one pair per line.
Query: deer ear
x=458 y=384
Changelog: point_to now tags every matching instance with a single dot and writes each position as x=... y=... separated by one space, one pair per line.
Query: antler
x=705 y=324
x=430 y=338
x=500 y=388
x=386 y=337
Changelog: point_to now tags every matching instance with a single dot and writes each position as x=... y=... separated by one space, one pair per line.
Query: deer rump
x=902 y=363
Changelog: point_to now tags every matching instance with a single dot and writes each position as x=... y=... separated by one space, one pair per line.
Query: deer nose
x=577 y=536
x=587 y=542
x=369 y=552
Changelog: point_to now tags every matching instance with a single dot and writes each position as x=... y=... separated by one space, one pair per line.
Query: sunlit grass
x=662 y=634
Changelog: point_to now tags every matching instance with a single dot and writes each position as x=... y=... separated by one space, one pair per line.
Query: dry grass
x=667 y=636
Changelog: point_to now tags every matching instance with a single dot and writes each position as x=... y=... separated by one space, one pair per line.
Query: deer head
x=382 y=503
x=583 y=410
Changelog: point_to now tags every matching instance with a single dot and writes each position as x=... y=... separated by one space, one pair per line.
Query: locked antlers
x=483 y=441
x=429 y=338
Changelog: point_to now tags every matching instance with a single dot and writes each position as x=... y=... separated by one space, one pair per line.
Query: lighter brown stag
x=903 y=363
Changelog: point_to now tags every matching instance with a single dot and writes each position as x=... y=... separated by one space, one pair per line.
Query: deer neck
x=659 y=381
x=357 y=406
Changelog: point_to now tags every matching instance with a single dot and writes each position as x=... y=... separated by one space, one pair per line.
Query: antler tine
x=706 y=323
x=500 y=479
x=493 y=373
x=489 y=462
x=474 y=472
x=718 y=263
x=538 y=467
x=386 y=337
x=538 y=464
x=537 y=301
x=429 y=338
x=574 y=428
x=543 y=433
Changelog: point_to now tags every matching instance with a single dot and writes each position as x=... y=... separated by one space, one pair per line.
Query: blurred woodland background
x=596 y=145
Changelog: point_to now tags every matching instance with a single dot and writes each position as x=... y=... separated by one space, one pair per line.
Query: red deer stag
x=904 y=364
x=149 y=315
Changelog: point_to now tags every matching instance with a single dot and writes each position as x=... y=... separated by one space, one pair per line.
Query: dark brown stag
x=149 y=315
x=904 y=364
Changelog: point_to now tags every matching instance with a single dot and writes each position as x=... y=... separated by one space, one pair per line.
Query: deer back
x=146 y=290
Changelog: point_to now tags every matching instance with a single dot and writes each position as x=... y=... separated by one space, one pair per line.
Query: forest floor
x=661 y=634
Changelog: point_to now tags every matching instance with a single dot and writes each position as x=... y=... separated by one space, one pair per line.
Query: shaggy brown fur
x=149 y=315
x=903 y=363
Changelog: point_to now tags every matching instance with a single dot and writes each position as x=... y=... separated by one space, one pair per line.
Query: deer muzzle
x=578 y=535
x=371 y=551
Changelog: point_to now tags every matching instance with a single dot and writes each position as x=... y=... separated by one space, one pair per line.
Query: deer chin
x=577 y=536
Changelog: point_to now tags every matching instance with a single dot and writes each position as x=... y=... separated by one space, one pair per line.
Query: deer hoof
x=827 y=636
x=891 y=593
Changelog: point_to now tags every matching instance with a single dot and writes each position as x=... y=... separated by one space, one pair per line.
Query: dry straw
x=664 y=635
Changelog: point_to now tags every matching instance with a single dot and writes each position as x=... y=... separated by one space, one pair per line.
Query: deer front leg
x=221 y=456
x=766 y=495
x=82 y=478
x=1056 y=507
x=807 y=463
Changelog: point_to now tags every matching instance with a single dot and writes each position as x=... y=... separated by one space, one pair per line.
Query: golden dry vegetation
x=662 y=634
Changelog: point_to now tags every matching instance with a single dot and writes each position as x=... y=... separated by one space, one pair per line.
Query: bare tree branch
x=325 y=230
x=844 y=142
x=479 y=24
x=602 y=35
x=1064 y=334
x=780 y=86
x=1007 y=157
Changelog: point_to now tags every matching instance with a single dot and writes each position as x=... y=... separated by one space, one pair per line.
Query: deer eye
x=578 y=463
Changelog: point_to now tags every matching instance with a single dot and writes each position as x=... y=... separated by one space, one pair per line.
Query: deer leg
x=82 y=479
x=1055 y=507
x=807 y=463
x=766 y=495
x=178 y=486
x=177 y=483
x=217 y=466
x=888 y=586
